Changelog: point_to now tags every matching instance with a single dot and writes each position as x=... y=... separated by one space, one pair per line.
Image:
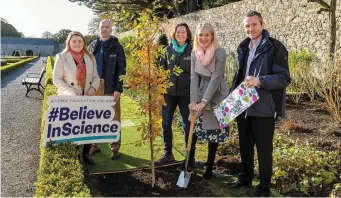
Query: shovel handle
x=193 y=117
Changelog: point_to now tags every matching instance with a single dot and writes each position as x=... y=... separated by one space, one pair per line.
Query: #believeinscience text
x=81 y=120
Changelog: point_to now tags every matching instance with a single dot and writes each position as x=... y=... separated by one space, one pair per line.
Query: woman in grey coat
x=208 y=89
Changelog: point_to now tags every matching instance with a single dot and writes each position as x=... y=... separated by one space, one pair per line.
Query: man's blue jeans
x=167 y=118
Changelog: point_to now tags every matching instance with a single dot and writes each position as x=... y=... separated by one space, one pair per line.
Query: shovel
x=185 y=175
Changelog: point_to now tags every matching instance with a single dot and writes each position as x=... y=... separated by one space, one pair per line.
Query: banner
x=234 y=104
x=81 y=119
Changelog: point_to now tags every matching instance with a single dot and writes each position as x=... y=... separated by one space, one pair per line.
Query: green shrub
x=16 y=53
x=301 y=71
x=329 y=86
x=60 y=173
x=12 y=66
x=162 y=40
x=125 y=43
x=29 y=53
x=231 y=146
x=299 y=170
x=336 y=192
x=49 y=71
x=303 y=170
x=16 y=57
x=3 y=62
x=12 y=60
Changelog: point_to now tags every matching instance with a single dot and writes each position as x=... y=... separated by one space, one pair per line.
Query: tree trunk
x=150 y=120
x=177 y=8
x=191 y=6
x=332 y=28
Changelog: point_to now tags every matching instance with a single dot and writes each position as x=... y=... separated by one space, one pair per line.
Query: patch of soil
x=228 y=165
x=311 y=123
x=138 y=183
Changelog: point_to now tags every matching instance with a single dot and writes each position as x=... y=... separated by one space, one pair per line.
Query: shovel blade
x=183 y=179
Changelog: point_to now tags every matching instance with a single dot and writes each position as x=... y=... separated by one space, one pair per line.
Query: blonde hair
x=213 y=33
x=67 y=44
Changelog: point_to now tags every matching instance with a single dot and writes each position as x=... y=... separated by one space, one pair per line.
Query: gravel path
x=20 y=134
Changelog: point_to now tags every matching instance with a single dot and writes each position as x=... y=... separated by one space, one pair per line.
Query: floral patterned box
x=234 y=104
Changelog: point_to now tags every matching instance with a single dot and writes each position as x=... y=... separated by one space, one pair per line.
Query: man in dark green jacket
x=111 y=64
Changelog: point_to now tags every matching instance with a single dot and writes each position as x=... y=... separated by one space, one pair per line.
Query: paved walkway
x=20 y=134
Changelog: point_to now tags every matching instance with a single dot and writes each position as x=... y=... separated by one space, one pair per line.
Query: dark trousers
x=86 y=149
x=259 y=131
x=167 y=118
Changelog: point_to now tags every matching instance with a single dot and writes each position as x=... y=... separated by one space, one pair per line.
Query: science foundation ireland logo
x=81 y=119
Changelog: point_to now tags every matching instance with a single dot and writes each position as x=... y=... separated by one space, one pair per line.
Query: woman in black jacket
x=178 y=54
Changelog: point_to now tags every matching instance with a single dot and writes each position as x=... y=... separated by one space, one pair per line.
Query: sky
x=33 y=17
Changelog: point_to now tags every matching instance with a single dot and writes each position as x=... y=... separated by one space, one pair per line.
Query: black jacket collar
x=110 y=42
x=263 y=46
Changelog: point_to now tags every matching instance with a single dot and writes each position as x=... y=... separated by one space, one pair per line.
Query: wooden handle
x=193 y=117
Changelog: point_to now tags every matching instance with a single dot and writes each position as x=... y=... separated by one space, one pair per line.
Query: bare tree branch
x=321 y=2
x=323 y=10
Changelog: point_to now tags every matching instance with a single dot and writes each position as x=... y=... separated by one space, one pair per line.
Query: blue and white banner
x=81 y=119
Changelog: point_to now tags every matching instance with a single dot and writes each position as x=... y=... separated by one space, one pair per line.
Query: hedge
x=15 y=57
x=3 y=62
x=60 y=172
x=12 y=66
x=12 y=60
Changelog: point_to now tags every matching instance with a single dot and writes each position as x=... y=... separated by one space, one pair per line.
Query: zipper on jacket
x=177 y=77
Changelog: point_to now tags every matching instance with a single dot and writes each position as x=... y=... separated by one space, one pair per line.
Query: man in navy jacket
x=263 y=64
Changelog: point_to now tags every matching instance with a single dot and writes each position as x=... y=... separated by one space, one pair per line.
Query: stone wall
x=294 y=22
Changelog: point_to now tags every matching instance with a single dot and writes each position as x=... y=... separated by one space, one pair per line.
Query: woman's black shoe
x=208 y=174
x=88 y=160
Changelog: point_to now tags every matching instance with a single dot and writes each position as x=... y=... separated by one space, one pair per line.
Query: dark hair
x=255 y=13
x=189 y=33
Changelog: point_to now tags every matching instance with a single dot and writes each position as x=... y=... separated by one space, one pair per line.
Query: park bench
x=34 y=79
